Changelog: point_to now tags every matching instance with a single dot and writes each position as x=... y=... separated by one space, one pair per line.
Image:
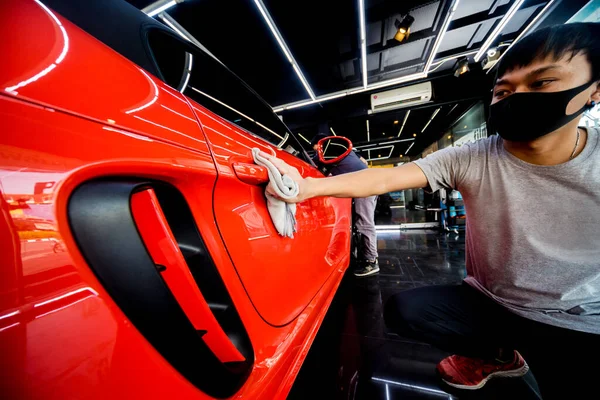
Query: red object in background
x=72 y=110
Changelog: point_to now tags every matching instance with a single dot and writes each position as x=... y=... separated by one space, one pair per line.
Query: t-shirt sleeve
x=446 y=168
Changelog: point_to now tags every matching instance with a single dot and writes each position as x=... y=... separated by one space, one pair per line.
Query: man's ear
x=596 y=94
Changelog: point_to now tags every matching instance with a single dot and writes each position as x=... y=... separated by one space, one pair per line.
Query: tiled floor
x=354 y=357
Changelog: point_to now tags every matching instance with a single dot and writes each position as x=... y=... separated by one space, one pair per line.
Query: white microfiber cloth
x=282 y=213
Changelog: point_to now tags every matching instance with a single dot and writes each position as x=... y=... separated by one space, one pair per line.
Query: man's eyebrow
x=531 y=74
x=542 y=70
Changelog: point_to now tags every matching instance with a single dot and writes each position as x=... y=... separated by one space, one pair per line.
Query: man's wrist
x=311 y=188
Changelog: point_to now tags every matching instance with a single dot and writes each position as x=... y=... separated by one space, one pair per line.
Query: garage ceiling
x=324 y=39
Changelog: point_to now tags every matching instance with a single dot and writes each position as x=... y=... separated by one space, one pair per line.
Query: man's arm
x=363 y=183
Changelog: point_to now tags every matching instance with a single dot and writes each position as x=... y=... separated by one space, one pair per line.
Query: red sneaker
x=472 y=373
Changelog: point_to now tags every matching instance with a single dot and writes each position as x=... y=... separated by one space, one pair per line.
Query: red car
x=138 y=257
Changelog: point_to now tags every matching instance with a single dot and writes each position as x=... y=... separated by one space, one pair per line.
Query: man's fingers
x=279 y=164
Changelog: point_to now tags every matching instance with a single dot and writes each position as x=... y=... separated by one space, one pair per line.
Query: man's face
x=549 y=75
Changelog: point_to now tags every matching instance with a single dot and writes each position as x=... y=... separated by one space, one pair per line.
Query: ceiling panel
x=457 y=37
x=470 y=7
x=424 y=16
x=520 y=18
x=406 y=52
x=485 y=29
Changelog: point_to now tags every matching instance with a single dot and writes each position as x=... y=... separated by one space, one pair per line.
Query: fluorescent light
x=363 y=41
x=409 y=147
x=368 y=132
x=507 y=17
x=379 y=149
x=398 y=141
x=301 y=104
x=525 y=31
x=161 y=8
x=332 y=96
x=403 y=123
x=332 y=131
x=309 y=102
x=431 y=119
x=283 y=46
x=305 y=139
x=390 y=82
x=440 y=37
x=304 y=82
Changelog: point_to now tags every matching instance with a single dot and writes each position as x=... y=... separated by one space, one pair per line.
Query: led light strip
x=409 y=147
x=496 y=32
x=431 y=119
x=363 y=42
x=404 y=123
x=525 y=31
x=379 y=149
x=305 y=139
x=286 y=51
x=160 y=9
x=440 y=37
x=382 y=143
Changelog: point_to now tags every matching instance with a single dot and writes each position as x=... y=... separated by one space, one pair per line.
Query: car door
x=280 y=275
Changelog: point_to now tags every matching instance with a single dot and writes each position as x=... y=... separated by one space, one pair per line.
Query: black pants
x=463 y=321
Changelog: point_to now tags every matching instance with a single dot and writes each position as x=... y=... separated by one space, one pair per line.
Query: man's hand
x=292 y=172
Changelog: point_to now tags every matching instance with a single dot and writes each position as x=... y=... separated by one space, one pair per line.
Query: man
x=364 y=210
x=532 y=196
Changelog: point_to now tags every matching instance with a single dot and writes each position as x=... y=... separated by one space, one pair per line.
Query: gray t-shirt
x=533 y=232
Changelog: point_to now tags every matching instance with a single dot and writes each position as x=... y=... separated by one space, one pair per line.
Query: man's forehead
x=568 y=63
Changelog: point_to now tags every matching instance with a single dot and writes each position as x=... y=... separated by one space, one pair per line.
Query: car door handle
x=165 y=252
x=251 y=174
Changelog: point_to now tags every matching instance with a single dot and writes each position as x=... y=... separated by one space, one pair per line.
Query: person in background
x=532 y=195
x=364 y=210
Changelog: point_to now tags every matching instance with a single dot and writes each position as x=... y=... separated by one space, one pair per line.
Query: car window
x=204 y=79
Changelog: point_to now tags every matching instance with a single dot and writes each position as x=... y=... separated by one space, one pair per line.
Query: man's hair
x=556 y=41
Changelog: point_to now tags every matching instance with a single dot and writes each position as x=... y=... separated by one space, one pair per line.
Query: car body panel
x=63 y=71
x=61 y=335
x=293 y=269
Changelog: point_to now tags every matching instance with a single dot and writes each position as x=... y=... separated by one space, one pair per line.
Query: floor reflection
x=354 y=357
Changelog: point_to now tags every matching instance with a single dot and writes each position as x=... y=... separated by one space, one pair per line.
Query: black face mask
x=523 y=117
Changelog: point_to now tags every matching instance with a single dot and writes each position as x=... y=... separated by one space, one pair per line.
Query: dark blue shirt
x=350 y=163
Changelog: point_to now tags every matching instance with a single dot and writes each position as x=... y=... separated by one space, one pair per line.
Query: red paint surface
x=94 y=114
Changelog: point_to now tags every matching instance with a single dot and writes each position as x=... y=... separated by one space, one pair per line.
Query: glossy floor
x=355 y=357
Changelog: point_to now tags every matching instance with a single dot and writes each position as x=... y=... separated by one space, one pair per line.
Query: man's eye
x=541 y=83
x=500 y=93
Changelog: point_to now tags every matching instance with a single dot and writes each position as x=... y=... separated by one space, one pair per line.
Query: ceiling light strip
x=380 y=158
x=374 y=145
x=151 y=11
x=363 y=42
x=431 y=119
x=525 y=31
x=404 y=122
x=332 y=131
x=498 y=30
x=440 y=37
x=305 y=139
x=286 y=51
x=409 y=147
